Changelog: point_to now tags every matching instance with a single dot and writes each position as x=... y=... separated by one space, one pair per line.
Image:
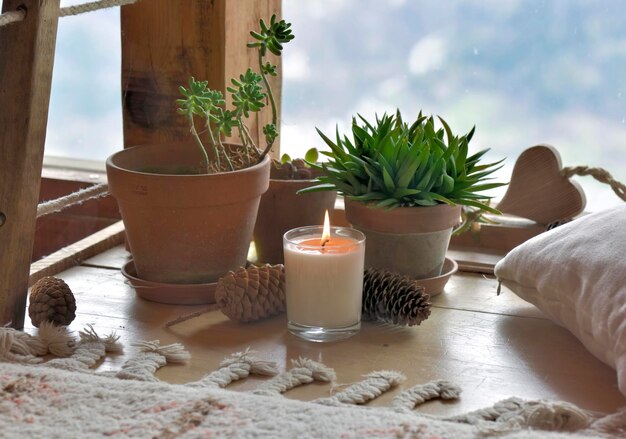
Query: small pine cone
x=252 y=293
x=394 y=298
x=51 y=300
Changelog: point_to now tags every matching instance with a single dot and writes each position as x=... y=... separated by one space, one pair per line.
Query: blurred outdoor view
x=523 y=71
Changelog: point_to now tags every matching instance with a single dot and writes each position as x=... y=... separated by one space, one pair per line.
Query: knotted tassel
x=54 y=339
x=152 y=357
x=303 y=371
x=88 y=352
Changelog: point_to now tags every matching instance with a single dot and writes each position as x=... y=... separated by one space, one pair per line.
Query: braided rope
x=304 y=371
x=602 y=175
x=12 y=17
x=374 y=385
x=91 y=349
x=72 y=199
x=19 y=15
x=421 y=393
x=93 y=6
x=152 y=357
x=236 y=367
x=10 y=343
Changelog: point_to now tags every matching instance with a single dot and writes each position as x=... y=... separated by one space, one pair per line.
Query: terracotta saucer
x=174 y=294
x=435 y=285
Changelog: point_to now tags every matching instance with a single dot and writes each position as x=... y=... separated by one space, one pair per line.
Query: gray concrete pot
x=407 y=240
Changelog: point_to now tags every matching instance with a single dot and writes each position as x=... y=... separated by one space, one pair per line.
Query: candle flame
x=326 y=230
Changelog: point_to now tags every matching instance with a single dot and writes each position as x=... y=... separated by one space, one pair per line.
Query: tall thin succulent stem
x=270 y=95
x=194 y=133
x=250 y=139
x=219 y=141
x=244 y=141
x=213 y=142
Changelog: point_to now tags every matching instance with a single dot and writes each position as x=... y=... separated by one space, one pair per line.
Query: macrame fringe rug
x=65 y=397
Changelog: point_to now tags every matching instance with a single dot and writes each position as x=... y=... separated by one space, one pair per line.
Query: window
x=524 y=72
x=85 y=117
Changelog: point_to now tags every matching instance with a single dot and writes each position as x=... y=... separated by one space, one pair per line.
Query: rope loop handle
x=602 y=175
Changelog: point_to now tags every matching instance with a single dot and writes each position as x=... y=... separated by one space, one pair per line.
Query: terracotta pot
x=184 y=228
x=282 y=209
x=407 y=240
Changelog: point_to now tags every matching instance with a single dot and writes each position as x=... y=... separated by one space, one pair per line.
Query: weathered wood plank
x=165 y=42
x=27 y=50
x=76 y=253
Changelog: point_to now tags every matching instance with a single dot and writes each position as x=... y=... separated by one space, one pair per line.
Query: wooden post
x=166 y=42
x=26 y=59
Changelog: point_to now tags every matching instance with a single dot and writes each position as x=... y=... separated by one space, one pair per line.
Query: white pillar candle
x=324 y=278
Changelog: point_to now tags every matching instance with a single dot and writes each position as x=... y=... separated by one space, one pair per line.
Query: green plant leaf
x=388 y=180
x=311 y=156
x=318 y=188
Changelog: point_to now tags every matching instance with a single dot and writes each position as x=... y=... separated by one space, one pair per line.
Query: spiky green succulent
x=392 y=164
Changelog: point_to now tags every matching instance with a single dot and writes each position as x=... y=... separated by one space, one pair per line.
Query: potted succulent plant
x=404 y=186
x=189 y=210
x=283 y=209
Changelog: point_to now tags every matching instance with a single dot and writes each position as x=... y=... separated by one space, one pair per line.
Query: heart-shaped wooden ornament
x=538 y=191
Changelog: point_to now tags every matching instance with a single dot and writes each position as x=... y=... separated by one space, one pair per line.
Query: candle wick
x=325 y=242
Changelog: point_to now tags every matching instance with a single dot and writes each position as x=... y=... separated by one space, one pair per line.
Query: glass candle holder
x=324 y=283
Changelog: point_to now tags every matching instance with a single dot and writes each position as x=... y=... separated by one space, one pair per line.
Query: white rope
x=93 y=6
x=19 y=15
x=88 y=352
x=374 y=385
x=152 y=357
x=54 y=339
x=236 y=367
x=10 y=343
x=72 y=199
x=304 y=371
x=12 y=17
x=421 y=393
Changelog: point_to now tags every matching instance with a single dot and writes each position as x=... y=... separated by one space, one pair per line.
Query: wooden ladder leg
x=26 y=60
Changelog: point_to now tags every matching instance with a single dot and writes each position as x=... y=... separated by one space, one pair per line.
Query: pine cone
x=51 y=300
x=252 y=293
x=394 y=298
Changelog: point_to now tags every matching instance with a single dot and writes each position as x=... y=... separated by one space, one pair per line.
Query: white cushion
x=576 y=275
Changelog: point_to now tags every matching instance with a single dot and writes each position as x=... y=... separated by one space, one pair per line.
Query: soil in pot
x=184 y=228
x=407 y=240
x=282 y=209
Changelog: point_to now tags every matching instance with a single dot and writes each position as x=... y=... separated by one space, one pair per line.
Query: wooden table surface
x=494 y=347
